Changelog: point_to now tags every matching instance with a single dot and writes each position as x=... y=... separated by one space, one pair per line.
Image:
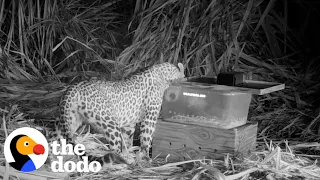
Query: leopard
x=114 y=108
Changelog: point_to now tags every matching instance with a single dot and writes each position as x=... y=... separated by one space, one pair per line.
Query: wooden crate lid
x=248 y=86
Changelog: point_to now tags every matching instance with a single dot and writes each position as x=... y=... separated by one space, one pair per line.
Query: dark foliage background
x=46 y=45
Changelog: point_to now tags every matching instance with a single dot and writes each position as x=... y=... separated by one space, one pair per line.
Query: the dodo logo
x=26 y=149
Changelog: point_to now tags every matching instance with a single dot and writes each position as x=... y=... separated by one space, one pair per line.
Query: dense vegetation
x=48 y=44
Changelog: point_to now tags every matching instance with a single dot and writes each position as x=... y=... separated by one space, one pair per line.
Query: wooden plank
x=262 y=87
x=248 y=86
x=35 y=175
x=252 y=90
x=184 y=141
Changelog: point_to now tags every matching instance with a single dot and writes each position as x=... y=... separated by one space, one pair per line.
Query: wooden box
x=185 y=142
x=200 y=101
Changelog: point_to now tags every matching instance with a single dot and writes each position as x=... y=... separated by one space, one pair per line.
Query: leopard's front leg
x=148 y=126
x=127 y=133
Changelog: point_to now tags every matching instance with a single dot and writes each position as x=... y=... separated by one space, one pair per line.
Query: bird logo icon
x=26 y=149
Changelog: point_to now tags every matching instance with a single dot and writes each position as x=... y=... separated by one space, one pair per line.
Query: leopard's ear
x=181 y=68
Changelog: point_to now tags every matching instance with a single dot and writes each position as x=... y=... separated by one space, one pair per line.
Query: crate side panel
x=183 y=141
x=246 y=137
x=194 y=140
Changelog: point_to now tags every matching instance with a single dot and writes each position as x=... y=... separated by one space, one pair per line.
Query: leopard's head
x=170 y=72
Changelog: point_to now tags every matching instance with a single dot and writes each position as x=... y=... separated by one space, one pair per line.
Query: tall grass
x=208 y=36
x=32 y=29
x=51 y=40
x=55 y=38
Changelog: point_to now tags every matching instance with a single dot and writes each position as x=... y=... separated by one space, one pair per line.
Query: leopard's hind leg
x=70 y=118
x=112 y=133
x=68 y=121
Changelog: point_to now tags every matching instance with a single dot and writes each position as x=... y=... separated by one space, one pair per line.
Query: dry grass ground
x=273 y=159
x=47 y=45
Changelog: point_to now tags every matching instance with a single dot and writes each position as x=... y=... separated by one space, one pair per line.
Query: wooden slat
x=262 y=87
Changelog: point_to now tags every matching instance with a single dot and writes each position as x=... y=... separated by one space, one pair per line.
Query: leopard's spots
x=115 y=107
